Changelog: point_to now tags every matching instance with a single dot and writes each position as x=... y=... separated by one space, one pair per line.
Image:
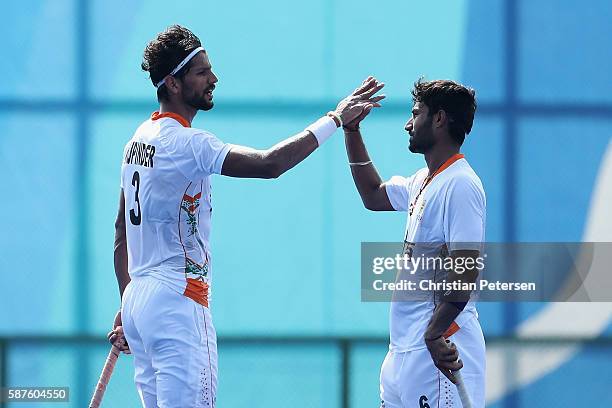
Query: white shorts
x=174 y=345
x=410 y=379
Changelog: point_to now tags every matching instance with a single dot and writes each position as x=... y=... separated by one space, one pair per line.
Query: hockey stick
x=107 y=371
x=463 y=394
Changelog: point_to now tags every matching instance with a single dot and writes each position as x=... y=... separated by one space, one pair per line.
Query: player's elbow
x=120 y=238
x=371 y=205
x=367 y=202
x=119 y=224
x=271 y=167
x=120 y=233
x=372 y=201
x=275 y=172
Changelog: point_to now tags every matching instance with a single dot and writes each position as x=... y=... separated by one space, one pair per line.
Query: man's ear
x=440 y=118
x=174 y=86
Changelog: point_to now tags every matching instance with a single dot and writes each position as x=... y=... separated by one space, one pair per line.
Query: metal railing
x=345 y=345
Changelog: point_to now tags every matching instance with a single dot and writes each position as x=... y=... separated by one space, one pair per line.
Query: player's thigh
x=425 y=386
x=420 y=381
x=183 y=374
x=179 y=336
x=389 y=380
x=470 y=343
x=144 y=374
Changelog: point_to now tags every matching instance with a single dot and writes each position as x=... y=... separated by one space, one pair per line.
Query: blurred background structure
x=286 y=299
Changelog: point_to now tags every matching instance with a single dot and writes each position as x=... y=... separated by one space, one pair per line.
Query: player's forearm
x=366 y=177
x=444 y=315
x=454 y=301
x=121 y=258
x=287 y=154
x=246 y=162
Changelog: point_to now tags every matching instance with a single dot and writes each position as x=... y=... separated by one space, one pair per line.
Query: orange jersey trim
x=447 y=163
x=452 y=329
x=156 y=115
x=197 y=290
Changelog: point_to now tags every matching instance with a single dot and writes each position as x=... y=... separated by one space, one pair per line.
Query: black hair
x=456 y=100
x=165 y=52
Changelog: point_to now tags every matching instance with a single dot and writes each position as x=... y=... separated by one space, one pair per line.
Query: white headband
x=180 y=65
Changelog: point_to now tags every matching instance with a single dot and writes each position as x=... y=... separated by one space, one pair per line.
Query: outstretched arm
x=367 y=180
x=271 y=163
x=247 y=162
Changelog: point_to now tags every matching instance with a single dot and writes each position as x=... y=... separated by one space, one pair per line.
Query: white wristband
x=323 y=128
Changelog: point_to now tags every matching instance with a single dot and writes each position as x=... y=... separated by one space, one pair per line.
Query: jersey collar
x=448 y=162
x=156 y=115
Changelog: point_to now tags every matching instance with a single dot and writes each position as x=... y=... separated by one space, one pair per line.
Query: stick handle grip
x=463 y=394
x=105 y=376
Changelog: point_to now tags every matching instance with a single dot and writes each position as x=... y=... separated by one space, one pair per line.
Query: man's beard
x=200 y=103
x=424 y=141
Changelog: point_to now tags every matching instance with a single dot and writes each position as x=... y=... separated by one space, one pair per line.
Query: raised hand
x=355 y=107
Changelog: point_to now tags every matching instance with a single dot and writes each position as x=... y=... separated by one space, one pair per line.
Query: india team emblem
x=190 y=205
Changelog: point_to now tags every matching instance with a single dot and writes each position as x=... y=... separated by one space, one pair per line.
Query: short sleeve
x=398 y=191
x=195 y=154
x=464 y=214
x=125 y=150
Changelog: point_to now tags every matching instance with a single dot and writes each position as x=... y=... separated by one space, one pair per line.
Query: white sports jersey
x=451 y=211
x=165 y=177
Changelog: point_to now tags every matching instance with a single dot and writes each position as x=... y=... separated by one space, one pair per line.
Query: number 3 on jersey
x=136 y=219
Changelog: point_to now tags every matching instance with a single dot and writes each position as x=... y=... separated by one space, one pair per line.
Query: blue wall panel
x=558 y=162
x=38 y=58
x=563 y=53
x=37 y=159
